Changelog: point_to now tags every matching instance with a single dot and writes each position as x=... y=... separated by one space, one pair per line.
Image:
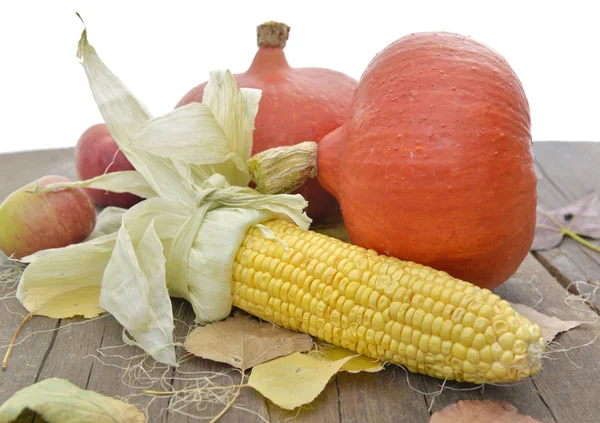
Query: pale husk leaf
x=234 y=109
x=134 y=292
x=129 y=181
x=124 y=115
x=65 y=282
x=108 y=221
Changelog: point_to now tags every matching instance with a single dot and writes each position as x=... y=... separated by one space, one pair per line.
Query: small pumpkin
x=297 y=104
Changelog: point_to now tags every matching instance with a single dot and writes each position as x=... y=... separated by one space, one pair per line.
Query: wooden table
x=566 y=390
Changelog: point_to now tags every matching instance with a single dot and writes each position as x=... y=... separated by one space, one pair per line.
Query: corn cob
x=382 y=307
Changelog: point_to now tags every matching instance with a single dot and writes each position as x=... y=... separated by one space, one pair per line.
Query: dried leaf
x=550 y=325
x=262 y=341
x=59 y=401
x=480 y=411
x=294 y=380
x=580 y=218
x=358 y=364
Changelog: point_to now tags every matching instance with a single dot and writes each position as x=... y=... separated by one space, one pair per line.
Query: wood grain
x=567 y=172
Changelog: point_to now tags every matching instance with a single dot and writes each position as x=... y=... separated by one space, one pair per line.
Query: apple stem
x=13 y=340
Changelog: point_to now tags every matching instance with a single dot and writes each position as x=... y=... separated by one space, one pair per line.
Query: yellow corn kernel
x=485 y=354
x=466 y=336
x=473 y=355
x=479 y=341
x=507 y=340
x=469 y=319
x=382 y=307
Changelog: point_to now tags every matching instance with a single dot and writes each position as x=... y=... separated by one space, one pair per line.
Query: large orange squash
x=434 y=162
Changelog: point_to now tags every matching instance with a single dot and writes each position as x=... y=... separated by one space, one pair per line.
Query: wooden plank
x=566 y=172
x=28 y=356
x=108 y=373
x=561 y=385
x=325 y=408
x=19 y=169
x=74 y=346
x=381 y=397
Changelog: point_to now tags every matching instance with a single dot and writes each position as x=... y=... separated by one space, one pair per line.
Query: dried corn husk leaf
x=245 y=342
x=294 y=380
x=124 y=115
x=192 y=223
x=480 y=411
x=360 y=363
x=108 y=221
x=59 y=401
x=66 y=282
x=235 y=110
x=126 y=181
x=139 y=273
x=550 y=325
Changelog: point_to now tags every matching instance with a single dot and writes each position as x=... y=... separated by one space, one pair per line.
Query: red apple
x=98 y=153
x=30 y=222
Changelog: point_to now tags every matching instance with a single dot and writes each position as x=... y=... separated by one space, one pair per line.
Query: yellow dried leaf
x=294 y=380
x=480 y=411
x=59 y=401
x=358 y=364
x=262 y=341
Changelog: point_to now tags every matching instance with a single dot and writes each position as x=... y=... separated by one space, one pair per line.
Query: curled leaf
x=59 y=401
x=294 y=380
x=550 y=325
x=243 y=339
x=480 y=411
x=357 y=364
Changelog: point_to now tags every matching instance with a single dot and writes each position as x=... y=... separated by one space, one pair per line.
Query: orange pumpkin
x=297 y=104
x=434 y=162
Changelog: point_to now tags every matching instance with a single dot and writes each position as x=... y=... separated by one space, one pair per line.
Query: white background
x=162 y=49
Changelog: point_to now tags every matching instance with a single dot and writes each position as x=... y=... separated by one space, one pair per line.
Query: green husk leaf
x=59 y=401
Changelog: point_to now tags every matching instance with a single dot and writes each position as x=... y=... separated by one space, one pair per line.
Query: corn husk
x=181 y=241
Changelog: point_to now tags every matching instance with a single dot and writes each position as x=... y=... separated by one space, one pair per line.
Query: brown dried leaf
x=582 y=218
x=550 y=325
x=480 y=411
x=263 y=341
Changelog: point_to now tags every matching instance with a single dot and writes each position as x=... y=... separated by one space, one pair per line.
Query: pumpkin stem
x=272 y=34
x=284 y=169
